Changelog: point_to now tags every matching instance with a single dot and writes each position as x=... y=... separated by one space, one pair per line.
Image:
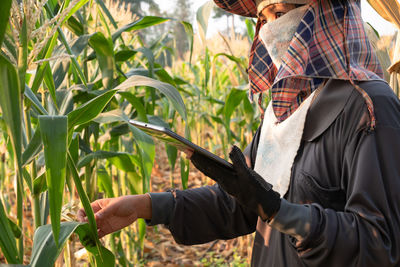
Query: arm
x=208 y=213
x=194 y=216
x=201 y=215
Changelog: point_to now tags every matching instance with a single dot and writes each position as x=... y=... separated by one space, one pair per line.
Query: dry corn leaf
x=395 y=67
x=388 y=9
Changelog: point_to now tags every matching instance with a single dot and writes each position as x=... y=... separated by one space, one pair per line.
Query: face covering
x=276 y=35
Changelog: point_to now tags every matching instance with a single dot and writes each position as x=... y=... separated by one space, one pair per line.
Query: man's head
x=279 y=24
x=271 y=4
x=273 y=11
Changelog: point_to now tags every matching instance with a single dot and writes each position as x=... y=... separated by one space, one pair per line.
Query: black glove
x=243 y=183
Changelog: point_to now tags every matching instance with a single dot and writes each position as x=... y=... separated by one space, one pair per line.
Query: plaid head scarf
x=330 y=42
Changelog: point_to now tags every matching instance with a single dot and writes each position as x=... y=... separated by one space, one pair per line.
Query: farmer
x=323 y=183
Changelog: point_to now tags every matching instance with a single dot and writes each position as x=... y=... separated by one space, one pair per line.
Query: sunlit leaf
x=168 y=90
x=75 y=8
x=142 y=23
x=202 y=16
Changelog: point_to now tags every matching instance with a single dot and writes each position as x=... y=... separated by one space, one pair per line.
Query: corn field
x=72 y=74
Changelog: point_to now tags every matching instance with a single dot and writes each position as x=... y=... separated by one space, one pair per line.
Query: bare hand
x=113 y=214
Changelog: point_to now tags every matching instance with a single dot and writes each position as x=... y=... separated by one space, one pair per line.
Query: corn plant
x=60 y=91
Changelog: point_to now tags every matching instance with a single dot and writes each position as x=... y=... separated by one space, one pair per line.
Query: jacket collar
x=326 y=108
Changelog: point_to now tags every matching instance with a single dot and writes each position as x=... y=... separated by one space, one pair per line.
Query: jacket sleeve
x=208 y=213
x=204 y=214
x=367 y=232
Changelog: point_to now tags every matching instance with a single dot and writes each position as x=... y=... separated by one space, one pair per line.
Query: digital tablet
x=176 y=140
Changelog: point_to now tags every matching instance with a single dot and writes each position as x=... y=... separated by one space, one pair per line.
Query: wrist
x=142 y=204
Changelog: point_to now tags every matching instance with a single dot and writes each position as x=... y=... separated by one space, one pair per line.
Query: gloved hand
x=243 y=183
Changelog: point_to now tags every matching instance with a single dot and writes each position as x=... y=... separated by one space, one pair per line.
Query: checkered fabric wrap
x=330 y=42
x=245 y=8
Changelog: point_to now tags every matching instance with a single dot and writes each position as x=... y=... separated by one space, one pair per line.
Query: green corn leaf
x=207 y=69
x=28 y=179
x=184 y=172
x=89 y=110
x=104 y=23
x=15 y=228
x=142 y=23
x=172 y=153
x=75 y=26
x=144 y=142
x=147 y=153
x=33 y=149
x=49 y=81
x=40 y=72
x=54 y=131
x=164 y=76
x=10 y=103
x=39 y=184
x=148 y=53
x=7 y=240
x=34 y=101
x=107 y=12
x=89 y=236
x=142 y=231
x=75 y=65
x=240 y=63
x=105 y=56
x=137 y=104
x=105 y=182
x=124 y=55
x=4 y=14
x=235 y=97
x=45 y=250
x=250 y=25
x=168 y=90
x=74 y=9
x=190 y=34
x=83 y=197
x=124 y=161
x=103 y=256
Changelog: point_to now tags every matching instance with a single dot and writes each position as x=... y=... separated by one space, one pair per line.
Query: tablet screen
x=176 y=140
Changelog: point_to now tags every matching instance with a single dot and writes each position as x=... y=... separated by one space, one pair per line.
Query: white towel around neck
x=278 y=146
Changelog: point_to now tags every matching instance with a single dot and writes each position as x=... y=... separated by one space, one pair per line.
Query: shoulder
x=340 y=102
x=386 y=103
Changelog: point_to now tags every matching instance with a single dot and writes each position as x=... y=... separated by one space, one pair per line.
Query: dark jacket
x=348 y=175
